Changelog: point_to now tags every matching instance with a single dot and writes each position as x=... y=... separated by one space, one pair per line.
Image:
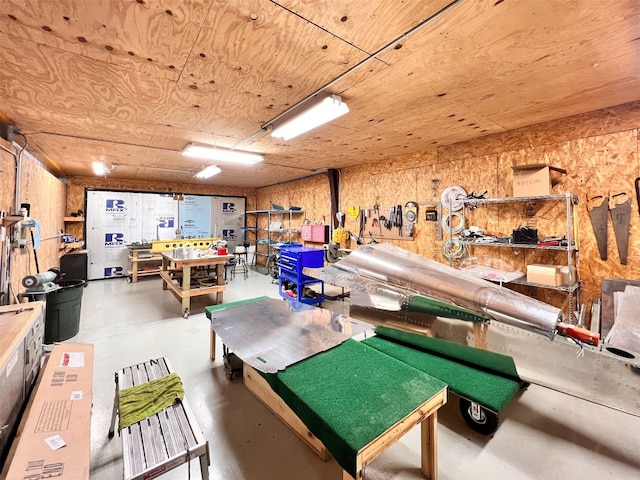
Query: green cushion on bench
x=349 y=395
x=487 y=387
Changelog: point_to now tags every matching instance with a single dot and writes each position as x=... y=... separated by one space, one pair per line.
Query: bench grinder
x=40 y=283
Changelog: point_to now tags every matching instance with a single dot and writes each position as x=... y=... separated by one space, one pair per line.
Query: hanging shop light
x=322 y=112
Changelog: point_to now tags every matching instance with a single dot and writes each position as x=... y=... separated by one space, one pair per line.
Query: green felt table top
x=487 y=378
x=212 y=308
x=351 y=394
x=482 y=359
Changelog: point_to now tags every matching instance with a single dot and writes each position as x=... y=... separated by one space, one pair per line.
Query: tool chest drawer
x=300 y=257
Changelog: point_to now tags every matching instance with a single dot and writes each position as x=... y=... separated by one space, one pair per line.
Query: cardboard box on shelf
x=53 y=440
x=546 y=274
x=535 y=179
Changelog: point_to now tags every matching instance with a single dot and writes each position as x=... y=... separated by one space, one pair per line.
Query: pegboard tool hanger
x=392 y=44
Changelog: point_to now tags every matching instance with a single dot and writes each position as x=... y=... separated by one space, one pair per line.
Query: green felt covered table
x=352 y=396
x=356 y=399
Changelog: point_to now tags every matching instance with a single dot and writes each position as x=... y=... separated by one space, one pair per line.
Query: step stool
x=164 y=440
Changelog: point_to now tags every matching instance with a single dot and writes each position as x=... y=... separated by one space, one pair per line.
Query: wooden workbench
x=150 y=259
x=185 y=292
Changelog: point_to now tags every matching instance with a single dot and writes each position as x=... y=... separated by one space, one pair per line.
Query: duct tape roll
x=447 y=223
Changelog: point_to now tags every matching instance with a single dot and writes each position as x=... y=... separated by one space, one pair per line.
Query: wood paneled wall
x=599 y=150
x=312 y=194
x=46 y=195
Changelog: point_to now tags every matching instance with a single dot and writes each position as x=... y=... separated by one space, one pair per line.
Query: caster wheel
x=128 y=279
x=186 y=313
x=479 y=418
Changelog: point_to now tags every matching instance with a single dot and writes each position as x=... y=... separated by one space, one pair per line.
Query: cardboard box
x=535 y=180
x=54 y=437
x=546 y=274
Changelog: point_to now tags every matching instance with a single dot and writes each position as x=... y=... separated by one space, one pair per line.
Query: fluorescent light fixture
x=208 y=172
x=222 y=154
x=328 y=109
x=101 y=169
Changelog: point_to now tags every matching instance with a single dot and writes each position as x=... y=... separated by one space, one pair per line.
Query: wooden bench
x=164 y=440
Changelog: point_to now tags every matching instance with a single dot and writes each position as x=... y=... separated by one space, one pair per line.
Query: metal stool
x=240 y=262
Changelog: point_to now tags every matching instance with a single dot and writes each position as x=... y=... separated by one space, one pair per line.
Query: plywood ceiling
x=132 y=82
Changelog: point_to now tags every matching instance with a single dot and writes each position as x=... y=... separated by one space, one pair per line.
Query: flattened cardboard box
x=53 y=440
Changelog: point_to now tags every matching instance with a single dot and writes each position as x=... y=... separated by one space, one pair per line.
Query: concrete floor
x=543 y=434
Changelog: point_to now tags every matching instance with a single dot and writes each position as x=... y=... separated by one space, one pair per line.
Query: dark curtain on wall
x=334 y=192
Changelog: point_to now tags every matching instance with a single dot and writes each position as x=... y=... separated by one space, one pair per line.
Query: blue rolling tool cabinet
x=291 y=280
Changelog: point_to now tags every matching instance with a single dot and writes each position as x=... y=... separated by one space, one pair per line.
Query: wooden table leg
x=186 y=286
x=134 y=267
x=429 y=446
x=220 y=281
x=212 y=349
x=165 y=268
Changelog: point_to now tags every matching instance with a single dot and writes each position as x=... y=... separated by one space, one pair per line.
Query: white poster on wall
x=228 y=219
x=115 y=220
x=195 y=212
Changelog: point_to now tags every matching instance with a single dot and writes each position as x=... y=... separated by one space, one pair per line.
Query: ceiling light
x=328 y=109
x=101 y=169
x=208 y=172
x=222 y=154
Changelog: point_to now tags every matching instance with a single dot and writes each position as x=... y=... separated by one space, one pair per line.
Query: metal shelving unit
x=573 y=287
x=270 y=238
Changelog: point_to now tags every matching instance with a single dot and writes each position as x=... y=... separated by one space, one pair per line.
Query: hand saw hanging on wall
x=598 y=207
x=620 y=208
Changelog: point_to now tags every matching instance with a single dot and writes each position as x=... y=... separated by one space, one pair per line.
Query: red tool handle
x=579 y=333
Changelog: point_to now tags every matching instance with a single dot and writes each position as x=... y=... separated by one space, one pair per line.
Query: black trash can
x=62 y=317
